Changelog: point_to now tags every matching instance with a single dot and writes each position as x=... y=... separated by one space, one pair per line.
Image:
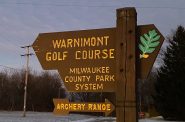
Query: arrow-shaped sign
x=85 y=59
x=63 y=107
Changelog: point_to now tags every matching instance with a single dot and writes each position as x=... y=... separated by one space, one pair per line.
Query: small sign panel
x=150 y=41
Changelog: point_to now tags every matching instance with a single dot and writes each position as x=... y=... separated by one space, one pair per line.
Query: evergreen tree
x=170 y=85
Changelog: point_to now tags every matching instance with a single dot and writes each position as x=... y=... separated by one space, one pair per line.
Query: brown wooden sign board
x=85 y=59
x=64 y=107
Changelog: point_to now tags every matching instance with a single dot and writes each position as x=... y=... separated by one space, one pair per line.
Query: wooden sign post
x=126 y=65
x=103 y=60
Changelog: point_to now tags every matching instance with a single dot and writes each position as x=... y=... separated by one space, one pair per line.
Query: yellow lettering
x=72 y=70
x=56 y=56
x=58 y=106
x=64 y=55
x=105 y=77
x=103 y=107
x=90 y=86
x=80 y=42
x=76 y=42
x=105 y=54
x=89 y=70
x=76 y=54
x=89 y=106
x=56 y=43
x=111 y=53
x=99 y=107
x=84 y=54
x=100 y=41
x=48 y=56
x=108 y=107
x=107 y=69
x=93 y=41
x=77 y=78
x=106 y=40
x=62 y=106
x=63 y=44
x=77 y=87
x=95 y=54
x=69 y=42
x=86 y=42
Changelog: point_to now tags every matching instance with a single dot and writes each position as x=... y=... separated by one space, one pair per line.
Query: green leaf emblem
x=148 y=43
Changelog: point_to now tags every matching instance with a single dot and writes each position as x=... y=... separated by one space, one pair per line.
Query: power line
x=155 y=7
x=78 y=5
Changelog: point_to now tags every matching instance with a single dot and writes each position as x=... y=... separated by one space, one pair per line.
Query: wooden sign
x=102 y=60
x=63 y=107
x=85 y=59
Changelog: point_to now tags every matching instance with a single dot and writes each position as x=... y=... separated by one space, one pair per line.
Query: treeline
x=42 y=88
x=169 y=97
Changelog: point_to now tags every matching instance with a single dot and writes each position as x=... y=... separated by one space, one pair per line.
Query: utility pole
x=26 y=75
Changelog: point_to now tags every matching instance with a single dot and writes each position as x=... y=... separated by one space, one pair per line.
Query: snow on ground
x=155 y=119
x=49 y=117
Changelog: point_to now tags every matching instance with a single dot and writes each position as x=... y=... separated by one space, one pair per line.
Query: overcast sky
x=22 y=20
